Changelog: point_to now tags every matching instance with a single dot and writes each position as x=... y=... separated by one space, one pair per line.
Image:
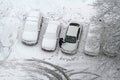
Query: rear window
x=74 y=24
x=70 y=39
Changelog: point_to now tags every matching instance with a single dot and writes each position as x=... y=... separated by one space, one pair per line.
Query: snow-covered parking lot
x=63 y=12
x=19 y=56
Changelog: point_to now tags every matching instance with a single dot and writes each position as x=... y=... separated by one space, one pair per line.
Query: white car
x=51 y=36
x=72 y=38
x=32 y=28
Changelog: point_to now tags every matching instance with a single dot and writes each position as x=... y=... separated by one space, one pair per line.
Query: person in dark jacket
x=60 y=42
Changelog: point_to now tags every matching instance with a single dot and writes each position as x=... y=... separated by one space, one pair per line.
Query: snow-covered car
x=32 y=28
x=51 y=36
x=72 y=38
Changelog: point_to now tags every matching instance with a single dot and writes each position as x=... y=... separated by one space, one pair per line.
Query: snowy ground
x=82 y=67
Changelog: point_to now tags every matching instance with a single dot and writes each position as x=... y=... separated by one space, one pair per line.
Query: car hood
x=69 y=46
x=30 y=36
x=49 y=44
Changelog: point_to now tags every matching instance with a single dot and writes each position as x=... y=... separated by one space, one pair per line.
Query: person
x=60 y=42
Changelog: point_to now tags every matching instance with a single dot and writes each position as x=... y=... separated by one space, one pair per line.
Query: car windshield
x=50 y=36
x=70 y=39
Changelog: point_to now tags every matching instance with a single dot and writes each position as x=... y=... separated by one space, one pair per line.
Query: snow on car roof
x=32 y=19
x=34 y=14
x=52 y=27
x=72 y=30
x=31 y=26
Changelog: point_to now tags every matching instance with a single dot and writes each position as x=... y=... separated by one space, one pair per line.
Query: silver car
x=72 y=38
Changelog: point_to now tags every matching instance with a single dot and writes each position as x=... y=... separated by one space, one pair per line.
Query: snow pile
x=108 y=14
x=4 y=49
x=5 y=7
x=111 y=41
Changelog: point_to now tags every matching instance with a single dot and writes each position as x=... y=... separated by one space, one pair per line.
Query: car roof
x=72 y=30
x=52 y=27
x=35 y=19
x=31 y=26
x=34 y=14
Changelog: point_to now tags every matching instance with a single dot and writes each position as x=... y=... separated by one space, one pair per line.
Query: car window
x=58 y=31
x=70 y=39
x=78 y=33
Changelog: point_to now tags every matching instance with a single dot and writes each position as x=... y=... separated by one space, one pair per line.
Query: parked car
x=32 y=28
x=72 y=38
x=51 y=36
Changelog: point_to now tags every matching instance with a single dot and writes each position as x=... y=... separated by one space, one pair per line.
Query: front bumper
x=29 y=42
x=69 y=52
x=48 y=50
